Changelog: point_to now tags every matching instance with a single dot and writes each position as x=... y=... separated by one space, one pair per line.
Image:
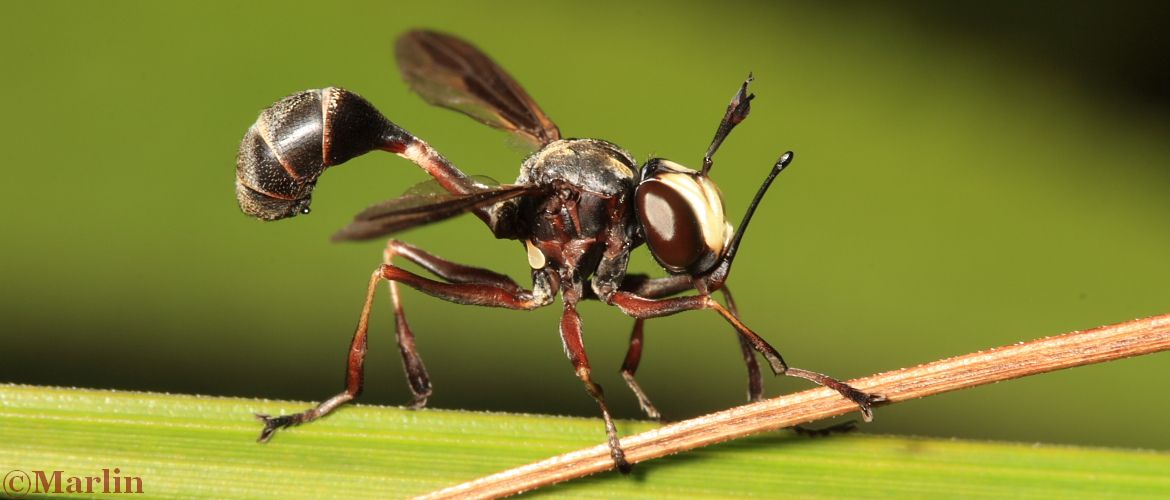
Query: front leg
x=641 y=307
x=657 y=288
x=496 y=294
x=646 y=286
x=755 y=380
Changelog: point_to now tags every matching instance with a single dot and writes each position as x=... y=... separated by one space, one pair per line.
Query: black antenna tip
x=784 y=160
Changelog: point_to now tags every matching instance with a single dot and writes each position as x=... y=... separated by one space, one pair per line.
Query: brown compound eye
x=682 y=215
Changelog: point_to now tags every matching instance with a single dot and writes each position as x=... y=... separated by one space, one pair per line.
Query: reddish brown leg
x=655 y=288
x=642 y=307
x=630 y=367
x=575 y=349
x=354 y=377
x=755 y=380
x=649 y=287
x=412 y=363
x=462 y=293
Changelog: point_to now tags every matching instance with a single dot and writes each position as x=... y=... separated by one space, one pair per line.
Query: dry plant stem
x=1133 y=338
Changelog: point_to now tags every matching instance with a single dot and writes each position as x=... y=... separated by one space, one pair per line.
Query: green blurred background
x=965 y=177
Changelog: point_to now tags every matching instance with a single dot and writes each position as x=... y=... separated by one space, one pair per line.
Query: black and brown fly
x=579 y=207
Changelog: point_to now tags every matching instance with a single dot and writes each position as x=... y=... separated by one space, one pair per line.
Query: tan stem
x=1106 y=343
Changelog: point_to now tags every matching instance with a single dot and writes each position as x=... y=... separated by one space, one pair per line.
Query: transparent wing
x=449 y=72
x=433 y=187
x=412 y=210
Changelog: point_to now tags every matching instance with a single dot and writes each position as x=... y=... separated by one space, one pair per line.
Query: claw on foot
x=622 y=465
x=272 y=424
x=419 y=402
x=619 y=458
x=866 y=402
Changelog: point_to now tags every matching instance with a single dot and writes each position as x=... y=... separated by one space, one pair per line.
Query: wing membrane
x=449 y=72
x=433 y=187
x=412 y=210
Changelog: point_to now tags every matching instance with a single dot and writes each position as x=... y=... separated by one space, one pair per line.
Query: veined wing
x=411 y=210
x=449 y=72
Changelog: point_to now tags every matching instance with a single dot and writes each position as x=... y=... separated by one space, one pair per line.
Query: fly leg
x=499 y=293
x=416 y=371
x=655 y=288
x=651 y=287
x=575 y=349
x=630 y=367
x=755 y=380
x=642 y=307
x=756 y=383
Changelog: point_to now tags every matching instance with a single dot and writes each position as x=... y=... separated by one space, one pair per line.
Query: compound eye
x=682 y=216
x=672 y=231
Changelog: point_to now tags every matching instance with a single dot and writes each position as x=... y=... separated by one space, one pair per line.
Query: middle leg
x=575 y=349
x=412 y=363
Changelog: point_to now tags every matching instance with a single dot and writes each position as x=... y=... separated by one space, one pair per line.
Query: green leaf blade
x=192 y=446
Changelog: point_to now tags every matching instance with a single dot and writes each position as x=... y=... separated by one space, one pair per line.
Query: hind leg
x=472 y=286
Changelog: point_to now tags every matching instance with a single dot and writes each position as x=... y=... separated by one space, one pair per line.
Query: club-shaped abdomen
x=681 y=213
x=295 y=139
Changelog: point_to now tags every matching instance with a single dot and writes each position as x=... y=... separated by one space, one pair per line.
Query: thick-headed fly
x=578 y=208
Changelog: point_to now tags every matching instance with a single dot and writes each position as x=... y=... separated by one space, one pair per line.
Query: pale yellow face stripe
x=701 y=194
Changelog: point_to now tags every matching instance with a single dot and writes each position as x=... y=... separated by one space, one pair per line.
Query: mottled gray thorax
x=589 y=209
x=591 y=164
